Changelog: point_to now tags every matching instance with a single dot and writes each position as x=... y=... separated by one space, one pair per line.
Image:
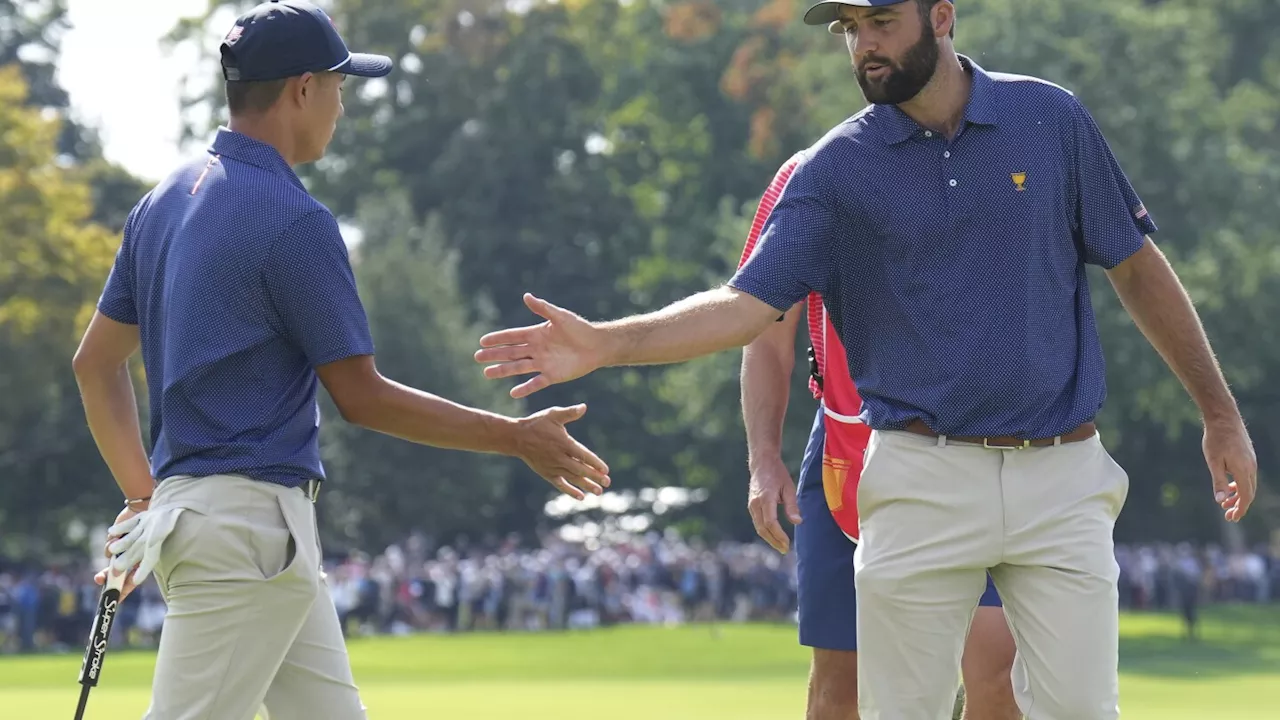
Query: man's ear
x=306 y=86
x=292 y=93
x=943 y=18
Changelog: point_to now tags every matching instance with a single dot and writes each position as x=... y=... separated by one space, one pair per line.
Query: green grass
x=689 y=673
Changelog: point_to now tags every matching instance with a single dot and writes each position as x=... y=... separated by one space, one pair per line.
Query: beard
x=904 y=79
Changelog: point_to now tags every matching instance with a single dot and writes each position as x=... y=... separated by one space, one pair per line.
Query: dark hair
x=926 y=6
x=249 y=96
x=253 y=96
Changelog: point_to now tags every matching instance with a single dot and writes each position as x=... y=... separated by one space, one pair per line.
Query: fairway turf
x=687 y=673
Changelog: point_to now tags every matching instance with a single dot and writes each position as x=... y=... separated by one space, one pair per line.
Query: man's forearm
x=767 y=363
x=111 y=409
x=420 y=417
x=698 y=325
x=1159 y=305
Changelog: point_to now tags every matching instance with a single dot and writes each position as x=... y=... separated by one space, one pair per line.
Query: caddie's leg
x=930 y=526
x=1059 y=583
x=315 y=679
x=238 y=587
x=987 y=666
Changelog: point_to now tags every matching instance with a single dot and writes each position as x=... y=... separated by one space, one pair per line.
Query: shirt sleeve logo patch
x=1019 y=181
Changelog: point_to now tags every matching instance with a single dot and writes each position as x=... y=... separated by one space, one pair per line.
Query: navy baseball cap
x=277 y=40
x=828 y=11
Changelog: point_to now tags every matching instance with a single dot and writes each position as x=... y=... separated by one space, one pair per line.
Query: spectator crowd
x=656 y=579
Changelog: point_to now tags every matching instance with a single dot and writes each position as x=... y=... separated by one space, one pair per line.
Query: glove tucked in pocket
x=144 y=534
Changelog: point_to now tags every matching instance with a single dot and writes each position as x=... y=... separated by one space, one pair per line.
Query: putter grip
x=96 y=651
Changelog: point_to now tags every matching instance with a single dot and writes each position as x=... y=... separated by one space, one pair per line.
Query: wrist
x=138 y=504
x=1221 y=415
x=764 y=457
x=612 y=343
x=139 y=493
x=505 y=434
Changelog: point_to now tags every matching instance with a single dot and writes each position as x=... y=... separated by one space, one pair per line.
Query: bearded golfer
x=824 y=507
x=948 y=227
x=236 y=285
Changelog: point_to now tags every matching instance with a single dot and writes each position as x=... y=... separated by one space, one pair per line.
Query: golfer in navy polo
x=948 y=226
x=236 y=285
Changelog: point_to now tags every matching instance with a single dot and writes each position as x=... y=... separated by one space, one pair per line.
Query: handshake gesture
x=544 y=444
x=560 y=349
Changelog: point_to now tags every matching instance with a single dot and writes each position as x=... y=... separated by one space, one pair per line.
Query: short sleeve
x=313 y=290
x=792 y=256
x=118 y=300
x=1110 y=219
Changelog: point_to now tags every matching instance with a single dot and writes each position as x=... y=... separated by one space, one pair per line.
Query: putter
x=96 y=651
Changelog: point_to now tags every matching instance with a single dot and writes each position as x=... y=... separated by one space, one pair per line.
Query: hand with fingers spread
x=771 y=486
x=1233 y=464
x=544 y=444
x=563 y=348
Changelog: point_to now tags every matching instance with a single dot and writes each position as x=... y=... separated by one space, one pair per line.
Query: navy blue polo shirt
x=241 y=285
x=954 y=271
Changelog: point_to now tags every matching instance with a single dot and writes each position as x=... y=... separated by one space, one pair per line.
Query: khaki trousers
x=935 y=516
x=250 y=624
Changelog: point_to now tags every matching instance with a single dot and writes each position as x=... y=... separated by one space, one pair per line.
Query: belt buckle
x=986 y=443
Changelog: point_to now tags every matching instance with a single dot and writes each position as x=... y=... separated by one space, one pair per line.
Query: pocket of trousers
x=274 y=546
x=872 y=459
x=178 y=545
x=304 y=557
x=1120 y=483
x=253 y=546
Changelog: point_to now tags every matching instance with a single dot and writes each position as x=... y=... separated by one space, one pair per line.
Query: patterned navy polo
x=955 y=270
x=240 y=284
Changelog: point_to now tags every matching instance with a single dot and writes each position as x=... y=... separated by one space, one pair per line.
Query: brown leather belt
x=1008 y=442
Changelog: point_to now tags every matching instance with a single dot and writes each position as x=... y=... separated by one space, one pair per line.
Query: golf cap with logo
x=828 y=12
x=278 y=40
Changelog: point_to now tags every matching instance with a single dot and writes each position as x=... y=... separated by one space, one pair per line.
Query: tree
x=53 y=261
x=607 y=155
x=382 y=487
x=1191 y=117
x=30 y=39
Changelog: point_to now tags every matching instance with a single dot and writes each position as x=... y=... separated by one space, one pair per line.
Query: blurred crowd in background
x=653 y=579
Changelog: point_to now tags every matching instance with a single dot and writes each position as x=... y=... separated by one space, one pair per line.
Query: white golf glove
x=144 y=534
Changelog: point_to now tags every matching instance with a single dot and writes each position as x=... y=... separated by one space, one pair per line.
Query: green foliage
x=419 y=317
x=608 y=156
x=1180 y=89
x=53 y=261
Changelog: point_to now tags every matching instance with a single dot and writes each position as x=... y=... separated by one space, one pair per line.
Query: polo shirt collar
x=237 y=146
x=980 y=110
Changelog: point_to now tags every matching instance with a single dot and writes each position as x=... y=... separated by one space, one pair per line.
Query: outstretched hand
x=563 y=348
x=544 y=444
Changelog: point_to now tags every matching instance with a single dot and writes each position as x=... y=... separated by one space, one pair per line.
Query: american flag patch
x=235 y=34
x=1139 y=212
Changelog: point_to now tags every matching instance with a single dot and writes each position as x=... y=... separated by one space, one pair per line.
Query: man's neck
x=940 y=105
x=266 y=129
